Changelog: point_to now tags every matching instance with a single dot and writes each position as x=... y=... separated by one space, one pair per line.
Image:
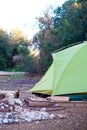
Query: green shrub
x=27 y=65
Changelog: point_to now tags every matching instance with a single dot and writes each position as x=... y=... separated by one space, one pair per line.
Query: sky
x=22 y=14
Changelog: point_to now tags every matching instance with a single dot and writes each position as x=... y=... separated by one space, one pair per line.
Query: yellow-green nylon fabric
x=72 y=75
x=67 y=74
x=46 y=84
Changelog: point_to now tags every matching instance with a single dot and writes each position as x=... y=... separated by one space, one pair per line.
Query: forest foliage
x=63 y=26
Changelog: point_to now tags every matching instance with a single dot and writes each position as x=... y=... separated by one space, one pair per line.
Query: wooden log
x=58 y=98
x=38 y=102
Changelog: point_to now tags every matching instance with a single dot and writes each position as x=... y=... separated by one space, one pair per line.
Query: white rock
x=61 y=116
x=51 y=116
x=16 y=120
x=18 y=101
x=6 y=105
x=2 y=107
x=5 y=121
x=9 y=115
x=18 y=108
x=43 y=109
x=56 y=105
x=34 y=115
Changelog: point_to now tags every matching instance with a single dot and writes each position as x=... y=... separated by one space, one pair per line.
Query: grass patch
x=16 y=76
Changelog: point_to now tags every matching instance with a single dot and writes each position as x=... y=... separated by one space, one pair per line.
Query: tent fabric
x=67 y=74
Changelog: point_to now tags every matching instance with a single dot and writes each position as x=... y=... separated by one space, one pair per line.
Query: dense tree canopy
x=70 y=22
x=63 y=26
x=67 y=26
x=5 y=50
x=14 y=52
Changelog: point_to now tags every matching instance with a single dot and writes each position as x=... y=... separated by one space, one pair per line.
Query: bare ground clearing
x=75 y=113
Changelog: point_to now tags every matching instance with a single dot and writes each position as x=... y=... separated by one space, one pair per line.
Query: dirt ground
x=75 y=113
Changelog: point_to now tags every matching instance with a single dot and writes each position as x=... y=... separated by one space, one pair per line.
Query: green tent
x=68 y=73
